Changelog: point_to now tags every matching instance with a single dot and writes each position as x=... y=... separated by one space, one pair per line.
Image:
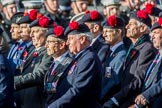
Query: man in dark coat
x=30 y=82
x=56 y=48
x=113 y=35
x=93 y=20
x=6 y=83
x=152 y=87
x=140 y=54
x=14 y=60
x=80 y=85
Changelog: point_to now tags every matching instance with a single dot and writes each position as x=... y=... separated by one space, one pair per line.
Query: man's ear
x=96 y=27
x=143 y=28
x=82 y=39
x=62 y=45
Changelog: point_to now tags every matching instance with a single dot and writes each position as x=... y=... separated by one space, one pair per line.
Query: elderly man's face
x=38 y=36
x=15 y=31
x=74 y=44
x=111 y=36
x=156 y=35
x=25 y=32
x=54 y=46
x=132 y=29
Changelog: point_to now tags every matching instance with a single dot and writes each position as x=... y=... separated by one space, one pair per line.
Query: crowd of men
x=59 y=54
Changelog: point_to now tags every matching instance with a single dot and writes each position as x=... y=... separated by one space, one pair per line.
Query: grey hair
x=88 y=36
x=148 y=28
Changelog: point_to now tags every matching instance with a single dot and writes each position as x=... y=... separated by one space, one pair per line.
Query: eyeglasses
x=49 y=42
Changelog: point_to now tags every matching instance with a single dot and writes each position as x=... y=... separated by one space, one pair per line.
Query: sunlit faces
x=156 y=35
x=74 y=43
x=54 y=46
x=38 y=36
x=15 y=31
x=111 y=36
x=25 y=32
x=132 y=28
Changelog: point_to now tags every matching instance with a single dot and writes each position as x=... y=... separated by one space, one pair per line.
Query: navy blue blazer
x=153 y=94
x=6 y=85
x=101 y=48
x=80 y=86
x=110 y=85
x=134 y=69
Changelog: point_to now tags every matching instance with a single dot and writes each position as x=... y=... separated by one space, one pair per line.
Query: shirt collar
x=28 y=44
x=113 y=48
x=60 y=58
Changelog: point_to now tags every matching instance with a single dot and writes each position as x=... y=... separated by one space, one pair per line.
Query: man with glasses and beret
x=80 y=84
x=56 y=48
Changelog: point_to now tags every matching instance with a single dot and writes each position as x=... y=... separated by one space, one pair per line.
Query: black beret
x=93 y=16
x=24 y=19
x=156 y=25
x=113 y=22
x=141 y=16
x=152 y=10
x=16 y=17
x=57 y=32
x=43 y=22
x=76 y=28
x=28 y=18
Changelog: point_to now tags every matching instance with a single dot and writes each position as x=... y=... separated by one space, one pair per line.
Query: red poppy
x=33 y=14
x=160 y=21
x=25 y=54
x=94 y=15
x=149 y=8
x=35 y=54
x=133 y=53
x=58 y=31
x=53 y=73
x=74 y=25
x=142 y=14
x=44 y=21
x=112 y=21
x=19 y=48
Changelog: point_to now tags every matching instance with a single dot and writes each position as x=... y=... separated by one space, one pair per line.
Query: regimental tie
x=152 y=72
